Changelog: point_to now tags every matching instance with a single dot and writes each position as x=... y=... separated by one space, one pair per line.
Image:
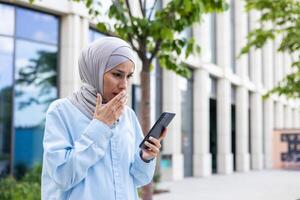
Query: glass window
x=6 y=75
x=7 y=25
x=6 y=62
x=94 y=35
x=35 y=88
x=36 y=26
x=213 y=123
x=156 y=91
x=213 y=88
x=28 y=84
x=136 y=100
x=186 y=89
x=208 y=44
x=233 y=124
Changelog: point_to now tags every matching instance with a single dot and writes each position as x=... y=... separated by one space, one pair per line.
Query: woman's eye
x=130 y=76
x=117 y=75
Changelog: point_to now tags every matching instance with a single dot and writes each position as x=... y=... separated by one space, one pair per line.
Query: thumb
x=98 y=101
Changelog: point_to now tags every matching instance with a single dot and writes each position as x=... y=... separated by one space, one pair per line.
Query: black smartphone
x=162 y=122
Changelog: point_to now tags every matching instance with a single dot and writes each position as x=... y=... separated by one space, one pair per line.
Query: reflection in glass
x=36 y=26
x=7 y=25
x=6 y=70
x=35 y=89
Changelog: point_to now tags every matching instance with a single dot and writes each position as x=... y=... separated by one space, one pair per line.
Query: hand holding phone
x=158 y=128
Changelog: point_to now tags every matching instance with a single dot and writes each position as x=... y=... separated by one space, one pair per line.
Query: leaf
x=102 y=27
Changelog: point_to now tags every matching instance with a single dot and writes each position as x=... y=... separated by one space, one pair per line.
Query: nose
x=123 y=84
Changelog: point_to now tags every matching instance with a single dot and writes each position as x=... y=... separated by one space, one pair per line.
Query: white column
x=256 y=131
x=221 y=36
x=278 y=65
x=241 y=28
x=74 y=35
x=288 y=121
x=224 y=156
x=255 y=54
x=242 y=130
x=296 y=118
x=268 y=105
x=278 y=115
x=172 y=143
x=201 y=157
x=268 y=67
x=268 y=131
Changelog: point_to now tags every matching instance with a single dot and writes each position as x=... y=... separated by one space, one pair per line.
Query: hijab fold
x=99 y=57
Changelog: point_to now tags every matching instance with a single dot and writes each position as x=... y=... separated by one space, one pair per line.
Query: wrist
x=147 y=160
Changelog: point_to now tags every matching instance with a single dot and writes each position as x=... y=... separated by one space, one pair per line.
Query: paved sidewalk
x=254 y=185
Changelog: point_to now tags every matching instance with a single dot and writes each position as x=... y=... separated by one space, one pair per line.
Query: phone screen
x=162 y=122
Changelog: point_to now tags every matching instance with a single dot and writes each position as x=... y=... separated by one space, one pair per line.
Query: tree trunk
x=145 y=116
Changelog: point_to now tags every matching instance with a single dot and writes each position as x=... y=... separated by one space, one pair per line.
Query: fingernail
x=150 y=137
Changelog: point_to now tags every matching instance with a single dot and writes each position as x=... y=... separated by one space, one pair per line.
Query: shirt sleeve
x=67 y=161
x=141 y=171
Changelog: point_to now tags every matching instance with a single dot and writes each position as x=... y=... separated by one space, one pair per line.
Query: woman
x=91 y=138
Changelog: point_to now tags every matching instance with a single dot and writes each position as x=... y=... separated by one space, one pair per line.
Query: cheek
x=109 y=84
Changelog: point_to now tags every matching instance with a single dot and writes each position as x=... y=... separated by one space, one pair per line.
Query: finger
x=152 y=147
x=155 y=141
x=162 y=135
x=98 y=100
x=121 y=105
x=119 y=111
x=149 y=154
x=117 y=98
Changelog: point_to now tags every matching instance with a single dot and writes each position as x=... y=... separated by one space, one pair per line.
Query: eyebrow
x=120 y=71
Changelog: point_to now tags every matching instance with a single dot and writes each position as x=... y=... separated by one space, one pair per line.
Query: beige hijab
x=99 y=57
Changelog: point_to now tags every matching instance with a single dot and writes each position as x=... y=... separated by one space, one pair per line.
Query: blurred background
x=222 y=123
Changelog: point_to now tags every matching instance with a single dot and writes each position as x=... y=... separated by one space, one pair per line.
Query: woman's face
x=117 y=79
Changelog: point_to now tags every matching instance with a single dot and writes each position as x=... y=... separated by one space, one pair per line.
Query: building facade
x=222 y=124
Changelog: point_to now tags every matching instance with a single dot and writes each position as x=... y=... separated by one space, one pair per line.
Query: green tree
x=154 y=33
x=284 y=18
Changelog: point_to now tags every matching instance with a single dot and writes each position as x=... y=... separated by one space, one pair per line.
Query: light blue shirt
x=87 y=160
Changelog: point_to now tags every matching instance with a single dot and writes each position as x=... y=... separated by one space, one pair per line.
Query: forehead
x=127 y=66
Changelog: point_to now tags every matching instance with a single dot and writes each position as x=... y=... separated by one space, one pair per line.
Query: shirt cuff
x=99 y=133
x=144 y=163
x=141 y=156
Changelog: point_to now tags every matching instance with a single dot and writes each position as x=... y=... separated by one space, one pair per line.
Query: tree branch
x=142 y=9
x=156 y=49
x=145 y=8
x=153 y=6
x=129 y=11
